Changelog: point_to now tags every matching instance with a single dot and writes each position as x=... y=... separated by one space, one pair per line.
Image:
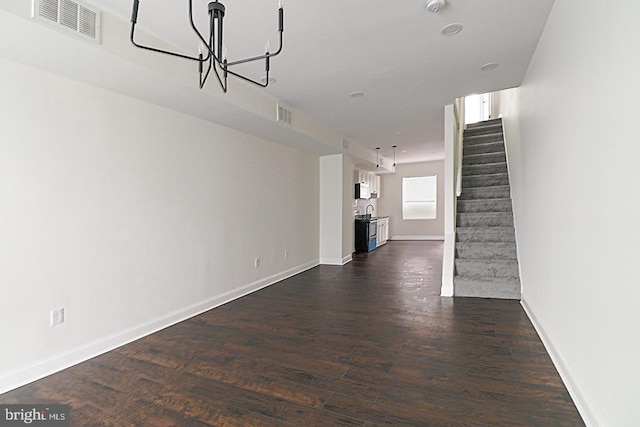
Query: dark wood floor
x=367 y=344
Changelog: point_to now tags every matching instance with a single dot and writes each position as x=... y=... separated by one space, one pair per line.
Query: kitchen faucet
x=366 y=210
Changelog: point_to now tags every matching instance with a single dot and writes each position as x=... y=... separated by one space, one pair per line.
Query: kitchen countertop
x=368 y=217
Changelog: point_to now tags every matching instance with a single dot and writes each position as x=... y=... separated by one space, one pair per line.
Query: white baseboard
x=417 y=238
x=336 y=261
x=590 y=417
x=59 y=362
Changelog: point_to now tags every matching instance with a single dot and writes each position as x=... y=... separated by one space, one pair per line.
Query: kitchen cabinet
x=383 y=231
x=370 y=179
x=375 y=184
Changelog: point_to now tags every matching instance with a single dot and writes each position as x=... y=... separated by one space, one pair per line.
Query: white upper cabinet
x=370 y=179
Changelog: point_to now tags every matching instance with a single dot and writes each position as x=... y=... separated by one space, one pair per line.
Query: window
x=419 y=197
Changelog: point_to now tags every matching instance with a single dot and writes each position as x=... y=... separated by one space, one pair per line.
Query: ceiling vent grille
x=70 y=15
x=283 y=115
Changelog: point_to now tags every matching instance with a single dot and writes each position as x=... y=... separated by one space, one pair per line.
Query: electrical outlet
x=57 y=316
x=257 y=262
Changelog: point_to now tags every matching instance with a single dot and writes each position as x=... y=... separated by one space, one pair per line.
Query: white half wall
x=336 y=209
x=572 y=142
x=131 y=217
x=331 y=209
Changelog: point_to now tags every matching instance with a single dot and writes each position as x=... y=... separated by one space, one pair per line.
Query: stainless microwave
x=362 y=191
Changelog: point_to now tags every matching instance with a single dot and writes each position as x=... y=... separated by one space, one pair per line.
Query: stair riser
x=475 y=140
x=487 y=130
x=484 y=169
x=487 y=290
x=484 y=220
x=485 y=180
x=486 y=251
x=485 y=123
x=485 y=193
x=472 y=206
x=493 y=147
x=477 y=236
x=481 y=159
x=486 y=268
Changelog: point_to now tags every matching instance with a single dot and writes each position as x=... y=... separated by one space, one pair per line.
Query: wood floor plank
x=369 y=344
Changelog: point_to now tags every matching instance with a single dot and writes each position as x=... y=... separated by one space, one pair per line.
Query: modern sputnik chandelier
x=213 y=53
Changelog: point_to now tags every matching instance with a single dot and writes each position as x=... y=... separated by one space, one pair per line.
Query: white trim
x=53 y=364
x=446 y=289
x=589 y=414
x=337 y=261
x=417 y=238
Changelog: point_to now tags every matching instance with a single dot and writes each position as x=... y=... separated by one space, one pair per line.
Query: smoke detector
x=435 y=5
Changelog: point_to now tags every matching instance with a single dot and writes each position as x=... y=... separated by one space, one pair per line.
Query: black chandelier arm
x=212 y=65
x=134 y=20
x=256 y=58
x=240 y=76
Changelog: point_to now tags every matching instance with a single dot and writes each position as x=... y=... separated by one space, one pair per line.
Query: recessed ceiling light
x=263 y=80
x=490 y=66
x=356 y=94
x=451 y=29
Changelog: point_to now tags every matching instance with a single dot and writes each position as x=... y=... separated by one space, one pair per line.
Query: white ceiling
x=392 y=51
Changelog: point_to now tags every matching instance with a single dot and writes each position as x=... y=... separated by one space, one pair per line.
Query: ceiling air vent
x=284 y=116
x=70 y=15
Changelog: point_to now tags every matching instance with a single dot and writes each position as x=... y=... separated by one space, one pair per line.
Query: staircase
x=486 y=263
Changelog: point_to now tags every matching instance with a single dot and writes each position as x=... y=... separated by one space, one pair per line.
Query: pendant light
x=394 y=155
x=377 y=157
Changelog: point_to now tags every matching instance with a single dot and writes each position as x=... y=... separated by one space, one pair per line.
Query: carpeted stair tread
x=484 y=205
x=484 y=219
x=485 y=123
x=496 y=146
x=483 y=128
x=483 y=169
x=485 y=234
x=473 y=141
x=506 y=288
x=486 y=250
x=494 y=192
x=485 y=180
x=483 y=158
x=486 y=267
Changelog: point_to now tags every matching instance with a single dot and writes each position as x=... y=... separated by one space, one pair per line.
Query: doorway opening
x=477 y=108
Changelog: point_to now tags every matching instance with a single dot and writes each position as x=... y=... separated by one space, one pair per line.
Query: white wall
x=573 y=150
x=348 y=221
x=390 y=204
x=337 y=240
x=132 y=216
x=331 y=209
